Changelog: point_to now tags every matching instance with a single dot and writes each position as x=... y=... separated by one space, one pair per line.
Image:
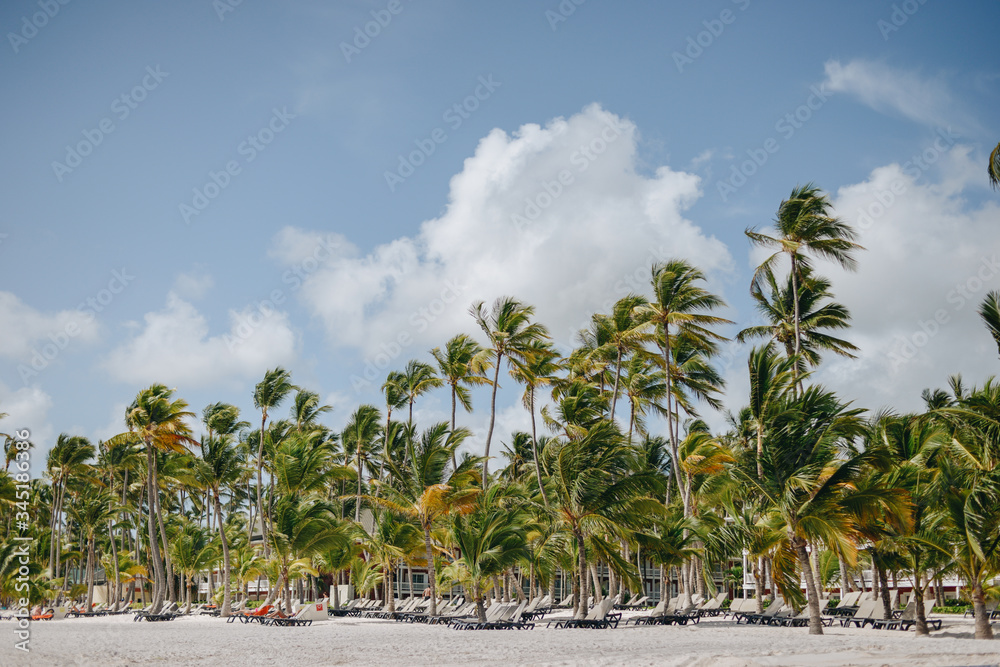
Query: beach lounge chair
x=766 y=616
x=277 y=618
x=905 y=622
x=650 y=618
x=991 y=610
x=848 y=605
x=567 y=602
x=543 y=607
x=742 y=606
x=712 y=607
x=869 y=612
x=244 y=615
x=597 y=618
x=493 y=613
x=801 y=619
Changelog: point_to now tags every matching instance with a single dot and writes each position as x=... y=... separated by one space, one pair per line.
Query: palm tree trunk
x=171 y=588
x=454 y=391
x=90 y=572
x=797 y=316
x=226 y=593
x=114 y=564
x=983 y=629
x=584 y=597
x=760 y=453
x=758 y=580
x=534 y=447
x=159 y=581
x=614 y=394
x=493 y=415
x=477 y=593
x=884 y=585
x=431 y=570
x=357 y=499
x=260 y=485
x=918 y=605
x=815 y=624
x=844 y=583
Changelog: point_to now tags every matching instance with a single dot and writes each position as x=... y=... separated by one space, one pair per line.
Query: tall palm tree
x=680 y=315
x=194 y=552
x=771 y=379
x=626 y=334
x=358 y=436
x=535 y=370
x=989 y=311
x=510 y=332
x=816 y=313
x=223 y=469
x=424 y=489
x=393 y=538
x=645 y=387
x=306 y=409
x=157 y=421
x=455 y=363
x=269 y=393
x=66 y=460
x=804 y=227
x=418 y=379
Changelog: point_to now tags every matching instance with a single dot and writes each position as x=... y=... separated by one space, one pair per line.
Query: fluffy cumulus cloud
x=26 y=332
x=27 y=408
x=925 y=100
x=930 y=259
x=558 y=216
x=174 y=346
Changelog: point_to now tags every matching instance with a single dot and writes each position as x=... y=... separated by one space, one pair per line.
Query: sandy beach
x=347 y=641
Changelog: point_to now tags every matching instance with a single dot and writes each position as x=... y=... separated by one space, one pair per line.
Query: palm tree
x=537 y=369
x=66 y=460
x=336 y=560
x=268 y=393
x=458 y=371
x=680 y=314
x=306 y=409
x=157 y=421
x=423 y=489
x=771 y=379
x=625 y=333
x=392 y=540
x=645 y=386
x=490 y=539
x=596 y=488
x=777 y=309
x=804 y=226
x=92 y=511
x=223 y=469
x=302 y=529
x=358 y=437
x=194 y=552
x=418 y=379
x=989 y=311
x=510 y=332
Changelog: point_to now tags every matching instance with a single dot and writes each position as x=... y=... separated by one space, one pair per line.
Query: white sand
x=112 y=641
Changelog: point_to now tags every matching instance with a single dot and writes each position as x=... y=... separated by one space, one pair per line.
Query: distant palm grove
x=619 y=482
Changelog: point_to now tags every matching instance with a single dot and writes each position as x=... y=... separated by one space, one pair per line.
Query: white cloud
x=511 y=228
x=28 y=409
x=174 y=347
x=925 y=100
x=25 y=331
x=930 y=259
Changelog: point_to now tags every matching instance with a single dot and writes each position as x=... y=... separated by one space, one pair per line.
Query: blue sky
x=237 y=187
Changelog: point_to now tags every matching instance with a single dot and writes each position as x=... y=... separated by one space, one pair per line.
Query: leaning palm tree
x=66 y=460
x=989 y=311
x=804 y=226
x=771 y=380
x=423 y=488
x=157 y=421
x=534 y=371
x=510 y=332
x=626 y=334
x=269 y=392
